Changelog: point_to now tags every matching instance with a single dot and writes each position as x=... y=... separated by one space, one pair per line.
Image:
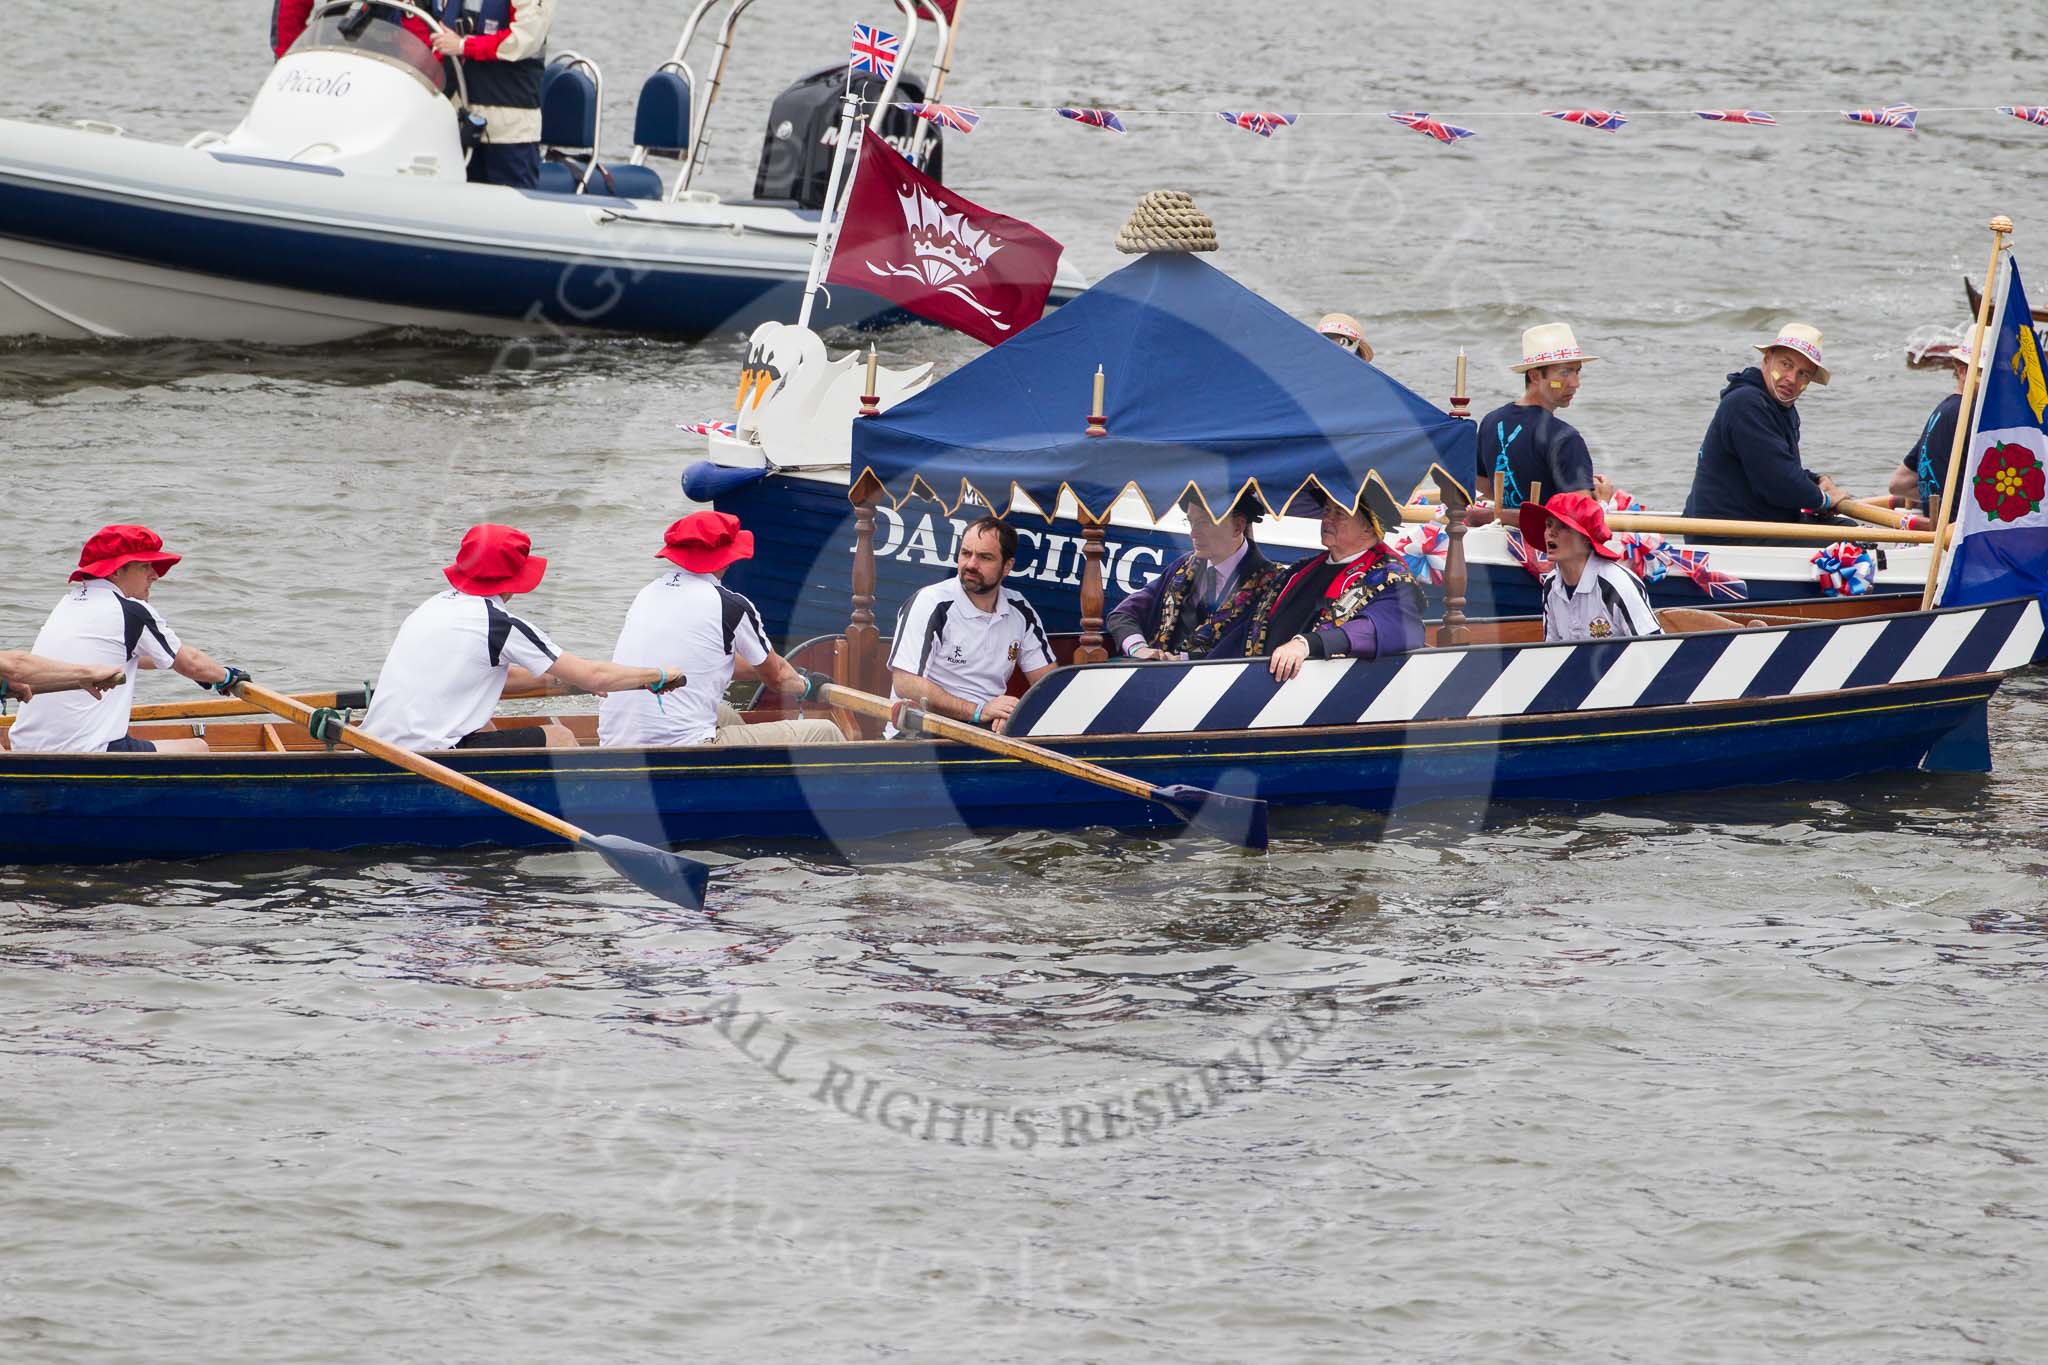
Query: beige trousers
x=734 y=730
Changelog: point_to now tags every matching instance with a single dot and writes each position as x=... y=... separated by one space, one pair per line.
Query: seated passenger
x=1749 y=467
x=1925 y=467
x=1588 y=594
x=1525 y=442
x=1203 y=603
x=1357 y=599
x=107 y=624
x=460 y=649
x=687 y=614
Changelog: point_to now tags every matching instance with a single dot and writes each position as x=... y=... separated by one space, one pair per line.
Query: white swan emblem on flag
x=949 y=252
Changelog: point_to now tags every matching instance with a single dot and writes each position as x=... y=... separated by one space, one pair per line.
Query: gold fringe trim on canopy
x=1166 y=221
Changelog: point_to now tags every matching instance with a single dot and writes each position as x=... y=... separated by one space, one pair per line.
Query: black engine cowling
x=803 y=132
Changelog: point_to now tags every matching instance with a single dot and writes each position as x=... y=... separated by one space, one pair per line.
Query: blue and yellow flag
x=2001 y=547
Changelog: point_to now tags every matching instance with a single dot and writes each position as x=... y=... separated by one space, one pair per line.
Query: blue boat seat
x=568 y=108
x=661 y=120
x=623 y=181
x=558 y=177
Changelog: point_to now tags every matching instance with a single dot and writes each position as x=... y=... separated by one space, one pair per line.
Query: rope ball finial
x=1166 y=221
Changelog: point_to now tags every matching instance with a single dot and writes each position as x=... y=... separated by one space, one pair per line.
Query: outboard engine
x=803 y=133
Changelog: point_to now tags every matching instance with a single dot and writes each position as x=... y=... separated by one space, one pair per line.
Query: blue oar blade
x=671 y=876
x=1239 y=819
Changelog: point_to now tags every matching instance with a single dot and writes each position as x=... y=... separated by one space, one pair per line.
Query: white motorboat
x=339 y=205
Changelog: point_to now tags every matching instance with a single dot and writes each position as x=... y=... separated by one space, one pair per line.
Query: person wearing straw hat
x=688 y=614
x=459 y=650
x=1200 y=606
x=1921 y=474
x=1749 y=467
x=105 y=621
x=1588 y=594
x=1355 y=600
x=1525 y=442
x=1343 y=329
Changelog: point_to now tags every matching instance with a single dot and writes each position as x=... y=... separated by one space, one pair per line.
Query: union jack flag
x=1891 y=116
x=1606 y=120
x=2029 y=113
x=1756 y=116
x=1423 y=123
x=711 y=428
x=1261 y=123
x=1654 y=559
x=958 y=117
x=1094 y=118
x=873 y=50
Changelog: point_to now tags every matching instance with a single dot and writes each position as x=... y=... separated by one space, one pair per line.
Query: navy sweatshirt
x=1929 y=457
x=1528 y=446
x=1749 y=466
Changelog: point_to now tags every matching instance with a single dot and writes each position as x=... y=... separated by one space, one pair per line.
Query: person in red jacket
x=503 y=47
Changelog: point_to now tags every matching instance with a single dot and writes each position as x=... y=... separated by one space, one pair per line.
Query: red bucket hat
x=1576 y=510
x=495 y=559
x=114 y=547
x=705 y=542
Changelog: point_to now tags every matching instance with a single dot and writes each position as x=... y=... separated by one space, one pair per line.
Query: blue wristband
x=977 y=715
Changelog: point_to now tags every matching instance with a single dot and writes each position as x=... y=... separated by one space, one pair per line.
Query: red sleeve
x=483 y=47
x=291 y=22
x=417 y=28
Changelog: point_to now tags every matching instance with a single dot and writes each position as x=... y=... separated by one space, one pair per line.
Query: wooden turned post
x=1535 y=492
x=1091 y=649
x=863 y=641
x=1453 y=631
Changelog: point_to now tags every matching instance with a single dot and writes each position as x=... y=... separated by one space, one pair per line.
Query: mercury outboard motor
x=803 y=133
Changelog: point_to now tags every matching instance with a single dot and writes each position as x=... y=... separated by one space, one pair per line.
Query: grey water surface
x=1750 y=1076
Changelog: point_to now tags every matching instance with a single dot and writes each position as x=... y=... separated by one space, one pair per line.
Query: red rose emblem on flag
x=2009 y=483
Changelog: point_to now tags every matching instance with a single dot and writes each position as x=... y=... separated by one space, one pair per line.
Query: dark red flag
x=917 y=244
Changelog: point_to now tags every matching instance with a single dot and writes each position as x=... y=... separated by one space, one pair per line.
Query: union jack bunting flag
x=1891 y=116
x=1094 y=118
x=958 y=117
x=873 y=51
x=1261 y=123
x=710 y=428
x=2028 y=113
x=1756 y=116
x=1423 y=123
x=1606 y=120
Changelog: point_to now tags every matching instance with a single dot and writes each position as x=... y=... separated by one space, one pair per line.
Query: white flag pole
x=1966 y=430
x=849 y=113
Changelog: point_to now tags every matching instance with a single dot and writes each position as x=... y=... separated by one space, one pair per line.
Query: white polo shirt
x=1608 y=601
x=942 y=636
x=447 y=669
x=691 y=620
x=93 y=623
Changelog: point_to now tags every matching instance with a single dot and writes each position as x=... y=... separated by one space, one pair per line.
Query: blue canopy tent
x=1210 y=387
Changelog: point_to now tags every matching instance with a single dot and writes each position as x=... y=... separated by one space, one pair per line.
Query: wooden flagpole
x=2001 y=230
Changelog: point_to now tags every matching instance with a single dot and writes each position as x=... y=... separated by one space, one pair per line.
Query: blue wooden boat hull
x=803 y=531
x=105 y=808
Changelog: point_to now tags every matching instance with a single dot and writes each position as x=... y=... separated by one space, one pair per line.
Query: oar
x=670 y=876
x=1879 y=514
x=1802 y=532
x=353 y=699
x=1239 y=819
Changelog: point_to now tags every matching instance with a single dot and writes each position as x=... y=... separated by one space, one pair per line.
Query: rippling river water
x=1752 y=1076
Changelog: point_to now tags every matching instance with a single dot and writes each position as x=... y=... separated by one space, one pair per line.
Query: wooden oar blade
x=671 y=876
x=1239 y=819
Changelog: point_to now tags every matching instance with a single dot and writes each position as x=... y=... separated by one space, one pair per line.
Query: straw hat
x=1342 y=328
x=1550 y=343
x=1797 y=336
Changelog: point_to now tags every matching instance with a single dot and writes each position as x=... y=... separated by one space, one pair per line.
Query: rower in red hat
x=1589 y=594
x=460 y=649
x=687 y=611
x=106 y=622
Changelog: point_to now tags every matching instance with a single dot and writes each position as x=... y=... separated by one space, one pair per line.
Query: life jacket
x=502 y=85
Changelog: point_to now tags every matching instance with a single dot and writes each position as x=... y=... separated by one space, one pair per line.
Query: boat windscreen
x=383 y=37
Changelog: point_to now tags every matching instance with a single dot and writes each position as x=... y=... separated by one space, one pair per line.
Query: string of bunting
x=1905 y=117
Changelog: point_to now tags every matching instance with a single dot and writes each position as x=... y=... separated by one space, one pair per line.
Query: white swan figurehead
x=800 y=404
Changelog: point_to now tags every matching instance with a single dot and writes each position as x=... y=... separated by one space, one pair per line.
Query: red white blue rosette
x=1845 y=569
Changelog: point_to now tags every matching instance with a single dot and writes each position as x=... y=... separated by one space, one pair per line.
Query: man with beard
x=958 y=642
